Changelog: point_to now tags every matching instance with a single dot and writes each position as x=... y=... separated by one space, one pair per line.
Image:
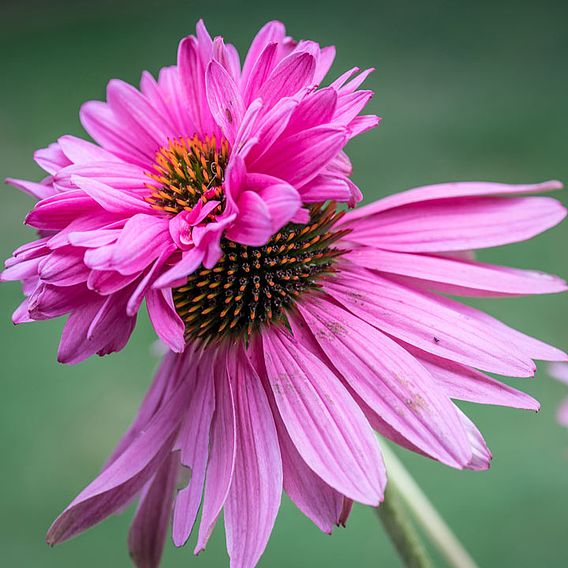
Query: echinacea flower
x=294 y=329
x=207 y=152
x=560 y=372
x=298 y=349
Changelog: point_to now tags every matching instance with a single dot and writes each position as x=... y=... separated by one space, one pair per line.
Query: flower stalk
x=401 y=531
x=404 y=495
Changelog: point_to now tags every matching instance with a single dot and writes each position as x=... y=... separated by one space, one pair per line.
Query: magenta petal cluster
x=560 y=371
x=379 y=346
x=208 y=151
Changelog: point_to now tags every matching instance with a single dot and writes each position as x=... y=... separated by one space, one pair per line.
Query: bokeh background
x=468 y=90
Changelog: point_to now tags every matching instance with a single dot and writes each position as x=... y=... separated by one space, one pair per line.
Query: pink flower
x=300 y=348
x=207 y=152
x=560 y=371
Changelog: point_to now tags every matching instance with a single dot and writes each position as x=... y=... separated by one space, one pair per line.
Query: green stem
x=400 y=530
x=425 y=514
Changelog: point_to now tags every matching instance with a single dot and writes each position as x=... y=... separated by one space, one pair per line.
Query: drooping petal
x=390 y=381
x=315 y=498
x=222 y=451
x=464 y=383
x=147 y=534
x=124 y=477
x=326 y=426
x=481 y=456
x=194 y=444
x=254 y=497
x=429 y=323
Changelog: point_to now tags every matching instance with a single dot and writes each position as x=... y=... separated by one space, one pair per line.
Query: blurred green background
x=467 y=90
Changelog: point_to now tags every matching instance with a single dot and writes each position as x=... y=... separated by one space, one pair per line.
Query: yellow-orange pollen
x=188 y=170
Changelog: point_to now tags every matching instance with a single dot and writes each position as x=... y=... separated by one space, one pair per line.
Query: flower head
x=209 y=154
x=298 y=349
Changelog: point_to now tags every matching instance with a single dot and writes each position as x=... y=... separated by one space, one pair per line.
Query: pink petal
x=430 y=324
x=58 y=211
x=390 y=381
x=37 y=190
x=52 y=158
x=105 y=282
x=80 y=151
x=222 y=452
x=464 y=383
x=299 y=158
x=126 y=476
x=449 y=191
x=63 y=267
x=325 y=61
x=152 y=402
x=110 y=199
x=272 y=32
x=325 y=424
x=315 y=498
x=356 y=82
x=165 y=319
x=115 y=174
x=224 y=99
x=562 y=414
x=147 y=281
x=254 y=497
x=143 y=239
x=93 y=239
x=253 y=226
x=283 y=202
x=137 y=114
x=194 y=444
x=314 y=110
x=481 y=459
x=325 y=188
x=100 y=122
x=192 y=79
x=349 y=106
x=361 y=124
x=189 y=262
x=460 y=224
x=458 y=276
x=292 y=74
x=147 y=534
x=53 y=301
x=268 y=130
x=260 y=72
